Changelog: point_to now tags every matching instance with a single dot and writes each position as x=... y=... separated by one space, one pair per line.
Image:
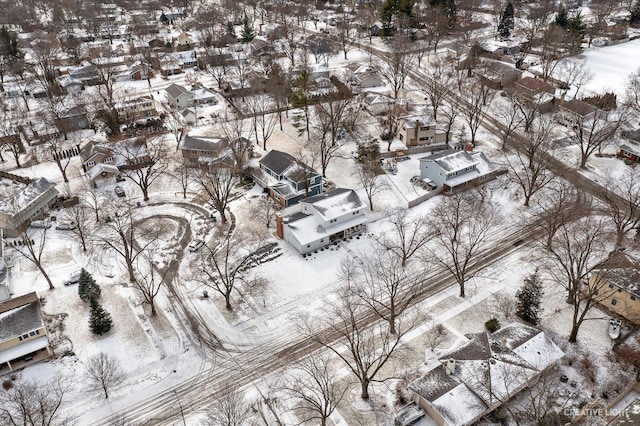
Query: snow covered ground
x=611 y=66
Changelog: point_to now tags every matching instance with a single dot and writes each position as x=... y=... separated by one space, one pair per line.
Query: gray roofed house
x=484 y=373
x=198 y=150
x=454 y=170
x=179 y=97
x=277 y=169
x=23 y=201
x=23 y=334
x=322 y=220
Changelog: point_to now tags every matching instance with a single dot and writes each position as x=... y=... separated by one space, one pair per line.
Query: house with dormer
x=198 y=151
x=455 y=170
x=23 y=334
x=322 y=220
x=286 y=179
x=103 y=162
x=24 y=200
x=484 y=373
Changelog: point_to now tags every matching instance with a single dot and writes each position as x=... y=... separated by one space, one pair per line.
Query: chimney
x=468 y=147
x=450 y=366
x=416 y=132
x=279 y=226
x=260 y=30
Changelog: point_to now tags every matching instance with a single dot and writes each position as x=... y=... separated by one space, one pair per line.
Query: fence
x=425 y=197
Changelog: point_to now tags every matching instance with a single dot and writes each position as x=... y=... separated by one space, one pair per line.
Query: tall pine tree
x=99 y=320
x=88 y=289
x=529 y=298
x=506 y=22
x=248 y=33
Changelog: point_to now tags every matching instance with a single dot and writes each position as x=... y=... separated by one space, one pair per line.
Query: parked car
x=119 y=191
x=45 y=224
x=195 y=245
x=66 y=225
x=74 y=278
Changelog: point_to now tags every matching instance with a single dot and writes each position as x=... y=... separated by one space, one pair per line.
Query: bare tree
x=573 y=72
x=435 y=336
x=173 y=120
x=408 y=236
x=368 y=347
x=153 y=166
x=183 y=176
x=119 y=234
x=478 y=97
x=592 y=134
x=79 y=214
x=556 y=207
x=31 y=247
x=262 y=109
x=231 y=409
x=346 y=34
x=312 y=385
x=576 y=250
x=147 y=282
x=265 y=210
x=382 y=284
x=632 y=91
x=103 y=372
x=369 y=175
x=530 y=161
x=94 y=200
x=55 y=148
x=464 y=228
x=332 y=116
x=622 y=198
x=437 y=85
x=505 y=304
x=397 y=64
x=542 y=401
x=32 y=403
x=227 y=261
x=235 y=131
x=217 y=184
x=509 y=120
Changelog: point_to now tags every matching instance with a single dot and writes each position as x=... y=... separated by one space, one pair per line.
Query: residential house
x=73 y=119
x=70 y=85
x=618 y=283
x=169 y=65
x=182 y=39
x=24 y=200
x=103 y=162
x=457 y=51
x=131 y=110
x=203 y=96
x=536 y=90
x=88 y=75
x=23 y=334
x=422 y=130
x=136 y=71
x=179 y=97
x=286 y=179
x=260 y=48
x=186 y=59
x=630 y=149
x=576 y=112
x=362 y=76
x=199 y=150
x=455 y=170
x=484 y=373
x=323 y=219
x=498 y=75
x=171 y=15
x=378 y=104
x=189 y=116
x=501 y=47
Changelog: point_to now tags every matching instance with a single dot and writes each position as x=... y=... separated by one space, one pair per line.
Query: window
x=25 y=336
x=633 y=297
x=108 y=159
x=308 y=245
x=20 y=338
x=91 y=163
x=33 y=333
x=614 y=302
x=610 y=285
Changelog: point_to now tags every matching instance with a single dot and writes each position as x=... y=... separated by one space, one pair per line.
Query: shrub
x=492 y=325
x=7 y=384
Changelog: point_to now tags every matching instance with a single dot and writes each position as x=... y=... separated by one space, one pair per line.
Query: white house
x=323 y=219
x=484 y=373
x=454 y=170
x=179 y=97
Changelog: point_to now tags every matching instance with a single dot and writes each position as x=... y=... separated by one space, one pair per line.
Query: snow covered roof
x=487 y=370
x=29 y=194
x=307 y=229
x=19 y=320
x=202 y=143
x=418 y=120
x=452 y=160
x=201 y=93
x=96 y=170
x=335 y=203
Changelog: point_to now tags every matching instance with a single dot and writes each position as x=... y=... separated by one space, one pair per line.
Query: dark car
x=119 y=191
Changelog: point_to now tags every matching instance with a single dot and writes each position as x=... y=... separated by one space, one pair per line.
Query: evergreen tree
x=88 y=289
x=248 y=33
x=635 y=14
x=577 y=29
x=99 y=320
x=562 y=18
x=506 y=22
x=529 y=298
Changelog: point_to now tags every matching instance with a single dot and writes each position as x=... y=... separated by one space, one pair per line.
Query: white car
x=66 y=225
x=195 y=245
x=45 y=224
x=74 y=278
